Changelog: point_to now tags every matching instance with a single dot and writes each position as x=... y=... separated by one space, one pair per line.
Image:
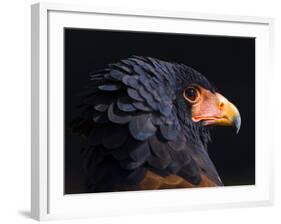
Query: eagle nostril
x=221 y=105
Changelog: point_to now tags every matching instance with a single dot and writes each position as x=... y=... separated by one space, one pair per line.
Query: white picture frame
x=48 y=200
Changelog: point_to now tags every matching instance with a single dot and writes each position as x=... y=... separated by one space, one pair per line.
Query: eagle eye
x=191 y=94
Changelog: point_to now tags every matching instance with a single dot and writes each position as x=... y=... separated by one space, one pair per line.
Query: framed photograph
x=148 y=111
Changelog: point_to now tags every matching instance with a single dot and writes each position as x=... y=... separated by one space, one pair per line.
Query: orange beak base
x=213 y=109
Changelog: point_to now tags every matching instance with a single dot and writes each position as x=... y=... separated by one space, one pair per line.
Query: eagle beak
x=228 y=115
x=237 y=123
x=217 y=111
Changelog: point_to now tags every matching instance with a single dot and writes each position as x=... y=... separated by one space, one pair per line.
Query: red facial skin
x=212 y=108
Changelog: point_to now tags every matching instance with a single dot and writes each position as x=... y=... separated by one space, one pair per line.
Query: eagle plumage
x=138 y=128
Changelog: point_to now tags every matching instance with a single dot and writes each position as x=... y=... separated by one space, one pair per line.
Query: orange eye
x=191 y=94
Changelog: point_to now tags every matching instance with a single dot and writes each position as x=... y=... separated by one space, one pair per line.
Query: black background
x=227 y=62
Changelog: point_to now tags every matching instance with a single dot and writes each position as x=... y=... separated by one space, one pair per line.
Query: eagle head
x=200 y=105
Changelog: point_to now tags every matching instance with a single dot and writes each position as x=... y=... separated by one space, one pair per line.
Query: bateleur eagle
x=146 y=126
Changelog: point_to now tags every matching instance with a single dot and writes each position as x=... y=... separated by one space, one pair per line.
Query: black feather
x=133 y=82
x=148 y=98
x=159 y=148
x=109 y=87
x=158 y=163
x=134 y=94
x=169 y=132
x=117 y=75
x=142 y=106
x=117 y=116
x=178 y=144
x=125 y=104
x=165 y=108
x=101 y=107
x=141 y=127
x=141 y=152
